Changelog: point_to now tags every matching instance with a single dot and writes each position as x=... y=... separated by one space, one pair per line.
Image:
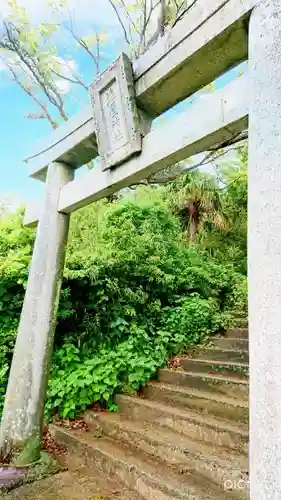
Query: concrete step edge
x=221 y=378
x=156 y=436
x=167 y=482
x=241 y=344
x=200 y=394
x=237 y=332
x=208 y=420
x=219 y=349
x=228 y=338
x=217 y=362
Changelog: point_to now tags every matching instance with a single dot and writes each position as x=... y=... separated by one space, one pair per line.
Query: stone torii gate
x=214 y=36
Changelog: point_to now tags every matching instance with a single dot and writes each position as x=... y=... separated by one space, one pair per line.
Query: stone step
x=150 y=479
x=215 y=354
x=220 y=384
x=198 y=400
x=76 y=482
x=230 y=343
x=240 y=321
x=241 y=333
x=204 y=428
x=226 y=368
x=171 y=448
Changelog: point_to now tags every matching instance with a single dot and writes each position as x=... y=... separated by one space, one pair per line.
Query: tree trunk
x=193 y=222
x=193 y=229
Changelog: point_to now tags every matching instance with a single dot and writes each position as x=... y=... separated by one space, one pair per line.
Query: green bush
x=15 y=253
x=133 y=294
x=4 y=367
x=80 y=378
x=133 y=297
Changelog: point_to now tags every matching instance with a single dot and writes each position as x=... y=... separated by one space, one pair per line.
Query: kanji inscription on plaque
x=115 y=113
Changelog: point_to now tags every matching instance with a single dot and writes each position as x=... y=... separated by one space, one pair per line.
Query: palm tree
x=196 y=198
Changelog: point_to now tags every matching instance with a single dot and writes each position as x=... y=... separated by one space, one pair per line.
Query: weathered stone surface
x=78 y=482
x=226 y=368
x=217 y=118
x=195 y=425
x=24 y=403
x=217 y=354
x=198 y=400
x=115 y=113
x=264 y=250
x=73 y=142
x=239 y=333
x=150 y=479
x=164 y=450
x=210 y=39
x=171 y=448
x=219 y=384
x=230 y=343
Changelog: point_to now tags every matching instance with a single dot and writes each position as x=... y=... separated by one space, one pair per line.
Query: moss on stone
x=30 y=453
x=44 y=467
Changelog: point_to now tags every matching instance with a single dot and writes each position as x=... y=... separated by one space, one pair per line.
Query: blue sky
x=18 y=134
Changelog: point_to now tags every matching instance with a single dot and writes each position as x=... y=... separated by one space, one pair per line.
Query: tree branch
x=12 y=44
x=146 y=20
x=180 y=15
x=120 y=21
x=31 y=94
x=214 y=154
x=82 y=42
x=130 y=19
x=76 y=80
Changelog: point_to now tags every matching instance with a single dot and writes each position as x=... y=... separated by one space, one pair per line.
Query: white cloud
x=67 y=69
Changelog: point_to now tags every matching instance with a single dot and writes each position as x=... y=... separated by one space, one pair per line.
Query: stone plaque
x=115 y=113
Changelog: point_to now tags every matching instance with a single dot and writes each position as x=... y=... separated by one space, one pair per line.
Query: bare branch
x=12 y=44
x=144 y=26
x=146 y=20
x=98 y=50
x=130 y=19
x=184 y=12
x=82 y=42
x=179 y=7
x=213 y=155
x=75 y=80
x=30 y=93
x=161 y=24
x=162 y=18
x=120 y=21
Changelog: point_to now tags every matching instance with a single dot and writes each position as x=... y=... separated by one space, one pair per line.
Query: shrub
x=133 y=294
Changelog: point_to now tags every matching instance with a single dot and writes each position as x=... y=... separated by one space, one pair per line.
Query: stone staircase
x=185 y=436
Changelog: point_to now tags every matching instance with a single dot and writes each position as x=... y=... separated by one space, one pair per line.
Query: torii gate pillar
x=24 y=403
x=264 y=250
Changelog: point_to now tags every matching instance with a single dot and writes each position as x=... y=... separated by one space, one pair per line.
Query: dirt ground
x=77 y=483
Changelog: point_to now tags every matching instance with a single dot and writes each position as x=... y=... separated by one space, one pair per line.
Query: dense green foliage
x=15 y=251
x=135 y=291
x=230 y=245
